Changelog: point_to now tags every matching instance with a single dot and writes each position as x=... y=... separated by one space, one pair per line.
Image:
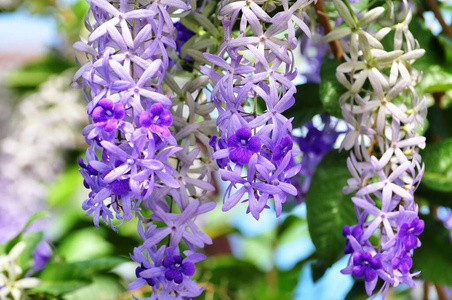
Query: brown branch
x=325 y=22
x=426 y=290
x=436 y=11
x=441 y=293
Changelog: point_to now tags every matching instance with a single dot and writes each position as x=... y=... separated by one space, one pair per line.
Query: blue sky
x=22 y=32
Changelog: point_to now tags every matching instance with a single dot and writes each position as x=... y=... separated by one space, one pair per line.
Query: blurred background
x=41 y=119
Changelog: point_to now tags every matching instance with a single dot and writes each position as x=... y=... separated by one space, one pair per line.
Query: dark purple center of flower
x=107 y=114
x=408 y=233
x=183 y=35
x=120 y=187
x=157 y=115
x=281 y=150
x=176 y=268
x=356 y=232
x=243 y=146
x=138 y=270
x=364 y=265
x=402 y=262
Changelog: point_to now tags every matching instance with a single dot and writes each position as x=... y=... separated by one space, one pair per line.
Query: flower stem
x=335 y=46
x=437 y=12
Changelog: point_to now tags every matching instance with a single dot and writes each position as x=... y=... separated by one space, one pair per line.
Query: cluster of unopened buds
x=154 y=145
x=386 y=113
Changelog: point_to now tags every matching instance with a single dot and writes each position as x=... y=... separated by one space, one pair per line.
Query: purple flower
x=41 y=255
x=242 y=146
x=176 y=268
x=356 y=232
x=138 y=270
x=183 y=35
x=402 y=262
x=130 y=129
x=364 y=265
x=222 y=162
x=280 y=151
x=157 y=120
x=408 y=233
x=107 y=115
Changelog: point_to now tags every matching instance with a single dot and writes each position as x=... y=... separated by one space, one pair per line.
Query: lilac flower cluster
x=256 y=65
x=314 y=145
x=385 y=112
x=143 y=147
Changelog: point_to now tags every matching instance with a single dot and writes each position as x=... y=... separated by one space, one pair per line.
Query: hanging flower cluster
x=154 y=145
x=143 y=147
x=256 y=66
x=314 y=145
x=386 y=113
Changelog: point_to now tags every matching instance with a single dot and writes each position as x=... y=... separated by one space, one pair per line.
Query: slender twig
x=426 y=290
x=437 y=12
x=325 y=22
x=441 y=293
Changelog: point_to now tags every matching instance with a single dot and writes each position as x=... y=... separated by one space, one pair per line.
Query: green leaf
x=103 y=287
x=32 y=75
x=434 y=51
x=31 y=239
x=206 y=24
x=440 y=122
x=63 y=277
x=318 y=269
x=435 y=79
x=328 y=209
x=433 y=258
x=292 y=228
x=59 y=278
x=330 y=88
x=438 y=166
x=433 y=196
x=307 y=104
x=100 y=264
x=36 y=216
x=258 y=250
x=230 y=277
x=85 y=243
x=65 y=187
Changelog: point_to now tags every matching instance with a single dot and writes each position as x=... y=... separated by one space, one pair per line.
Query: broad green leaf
x=65 y=187
x=229 y=277
x=259 y=250
x=433 y=196
x=318 y=269
x=330 y=88
x=59 y=278
x=85 y=243
x=32 y=75
x=328 y=209
x=440 y=122
x=438 y=166
x=31 y=239
x=307 y=104
x=100 y=264
x=206 y=24
x=292 y=228
x=64 y=277
x=435 y=79
x=36 y=216
x=434 y=51
x=434 y=258
x=103 y=287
